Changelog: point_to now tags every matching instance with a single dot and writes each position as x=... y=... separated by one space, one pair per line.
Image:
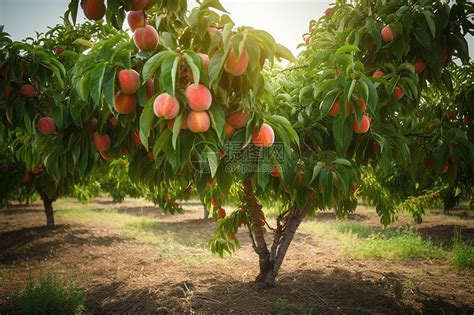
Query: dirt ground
x=124 y=275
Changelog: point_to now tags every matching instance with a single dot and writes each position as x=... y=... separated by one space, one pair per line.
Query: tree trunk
x=48 y=208
x=206 y=212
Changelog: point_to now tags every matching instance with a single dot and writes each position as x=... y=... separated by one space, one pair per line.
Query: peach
x=229 y=130
x=198 y=121
x=362 y=105
x=238 y=119
x=138 y=5
x=443 y=168
x=212 y=30
x=46 y=126
x=136 y=137
x=376 y=147
x=150 y=88
x=215 y=202
x=113 y=121
x=170 y=123
x=166 y=106
x=199 y=97
x=93 y=9
x=102 y=142
x=27 y=90
x=467 y=120
x=307 y=39
x=58 y=50
x=146 y=38
x=205 y=60
x=221 y=213
x=364 y=125
x=387 y=34
x=419 y=66
x=237 y=66
x=328 y=12
x=378 y=74
x=91 y=125
x=398 y=93
x=275 y=170
x=334 y=109
x=129 y=81
x=125 y=103
x=428 y=161
x=26 y=177
x=264 y=137
x=136 y=19
x=150 y=156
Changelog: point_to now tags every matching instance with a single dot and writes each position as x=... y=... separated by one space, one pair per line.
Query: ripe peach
x=364 y=125
x=58 y=50
x=419 y=66
x=150 y=156
x=451 y=116
x=215 y=202
x=146 y=38
x=170 y=123
x=307 y=39
x=237 y=66
x=428 y=161
x=199 y=97
x=467 y=120
x=276 y=170
x=113 y=121
x=263 y=137
x=212 y=30
x=150 y=88
x=334 y=109
x=378 y=74
x=198 y=121
x=166 y=106
x=138 y=5
x=387 y=34
x=91 y=125
x=46 y=126
x=102 y=142
x=229 y=130
x=125 y=103
x=221 y=213
x=26 y=177
x=328 y=12
x=129 y=81
x=443 y=168
x=136 y=137
x=362 y=105
x=205 y=60
x=136 y=19
x=27 y=90
x=238 y=119
x=398 y=93
x=93 y=9
x=376 y=147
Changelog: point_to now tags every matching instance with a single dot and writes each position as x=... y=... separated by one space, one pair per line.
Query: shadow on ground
x=40 y=241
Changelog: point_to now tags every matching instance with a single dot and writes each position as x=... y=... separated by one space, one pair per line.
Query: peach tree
x=42 y=121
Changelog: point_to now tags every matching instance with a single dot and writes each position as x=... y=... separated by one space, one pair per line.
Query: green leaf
x=283 y=52
x=97 y=78
x=174 y=70
x=423 y=38
x=194 y=68
x=347 y=48
x=342 y=162
x=317 y=169
x=212 y=160
x=429 y=16
x=176 y=129
x=152 y=64
x=342 y=134
x=146 y=121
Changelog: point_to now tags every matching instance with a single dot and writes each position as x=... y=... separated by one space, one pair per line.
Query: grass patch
x=355 y=228
x=49 y=296
x=2 y=273
x=396 y=245
x=463 y=255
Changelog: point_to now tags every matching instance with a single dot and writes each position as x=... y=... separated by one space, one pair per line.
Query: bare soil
x=123 y=275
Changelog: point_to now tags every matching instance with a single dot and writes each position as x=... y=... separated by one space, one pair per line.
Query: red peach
x=362 y=105
x=238 y=119
x=328 y=12
x=334 y=109
x=27 y=90
x=150 y=88
x=428 y=161
x=398 y=93
x=378 y=74
x=129 y=81
x=237 y=66
x=221 y=213
x=387 y=34
x=136 y=19
x=46 y=126
x=136 y=137
x=198 y=121
x=125 y=103
x=113 y=121
x=215 y=202
x=275 y=170
x=264 y=137
x=138 y=5
x=229 y=130
x=205 y=60
x=199 y=97
x=166 y=106
x=93 y=9
x=91 y=125
x=170 y=123
x=419 y=66
x=58 y=50
x=102 y=142
x=364 y=125
x=26 y=177
x=146 y=38
x=443 y=168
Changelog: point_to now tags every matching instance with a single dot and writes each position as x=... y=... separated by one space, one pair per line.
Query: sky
x=286 y=20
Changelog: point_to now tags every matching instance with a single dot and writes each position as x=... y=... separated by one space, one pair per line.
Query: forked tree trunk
x=270 y=261
x=48 y=208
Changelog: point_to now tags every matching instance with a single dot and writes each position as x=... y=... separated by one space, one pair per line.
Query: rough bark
x=48 y=208
x=260 y=245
